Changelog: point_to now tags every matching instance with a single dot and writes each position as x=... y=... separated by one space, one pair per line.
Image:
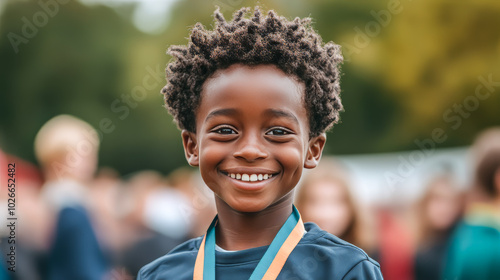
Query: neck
x=239 y=230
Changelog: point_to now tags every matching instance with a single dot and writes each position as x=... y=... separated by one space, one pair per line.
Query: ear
x=190 y=147
x=314 y=151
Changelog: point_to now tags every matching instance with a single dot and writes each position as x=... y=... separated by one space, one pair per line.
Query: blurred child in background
x=475 y=249
x=325 y=198
x=155 y=218
x=438 y=212
x=66 y=148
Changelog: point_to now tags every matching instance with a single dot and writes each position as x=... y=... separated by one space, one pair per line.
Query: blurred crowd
x=78 y=221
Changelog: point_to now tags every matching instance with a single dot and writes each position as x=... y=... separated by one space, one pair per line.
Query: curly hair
x=292 y=46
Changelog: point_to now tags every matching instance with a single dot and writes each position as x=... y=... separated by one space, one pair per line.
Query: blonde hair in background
x=64 y=142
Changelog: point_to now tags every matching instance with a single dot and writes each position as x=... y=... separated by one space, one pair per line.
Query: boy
x=254 y=98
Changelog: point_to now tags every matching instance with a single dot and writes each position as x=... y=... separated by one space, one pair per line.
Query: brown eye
x=278 y=132
x=225 y=130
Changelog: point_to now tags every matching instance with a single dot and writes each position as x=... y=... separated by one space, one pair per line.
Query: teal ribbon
x=265 y=261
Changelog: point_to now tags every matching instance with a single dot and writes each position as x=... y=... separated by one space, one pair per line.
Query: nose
x=250 y=149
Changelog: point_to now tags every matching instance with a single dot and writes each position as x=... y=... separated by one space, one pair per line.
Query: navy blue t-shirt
x=318 y=255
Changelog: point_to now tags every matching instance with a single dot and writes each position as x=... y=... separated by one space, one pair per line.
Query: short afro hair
x=292 y=46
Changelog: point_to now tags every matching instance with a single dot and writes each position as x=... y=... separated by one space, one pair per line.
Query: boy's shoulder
x=323 y=254
x=335 y=248
x=319 y=254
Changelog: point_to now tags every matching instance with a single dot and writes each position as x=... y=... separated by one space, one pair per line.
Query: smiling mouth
x=249 y=177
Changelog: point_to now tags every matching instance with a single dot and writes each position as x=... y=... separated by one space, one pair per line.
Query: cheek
x=292 y=161
x=291 y=156
x=211 y=154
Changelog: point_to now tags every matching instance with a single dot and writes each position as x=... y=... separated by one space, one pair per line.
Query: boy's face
x=252 y=137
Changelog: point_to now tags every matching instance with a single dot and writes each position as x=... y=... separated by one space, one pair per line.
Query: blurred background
x=421 y=81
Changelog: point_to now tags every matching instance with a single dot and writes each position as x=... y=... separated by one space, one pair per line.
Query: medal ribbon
x=269 y=266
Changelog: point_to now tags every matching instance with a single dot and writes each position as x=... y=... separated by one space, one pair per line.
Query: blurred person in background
x=66 y=148
x=154 y=217
x=486 y=142
x=438 y=211
x=325 y=198
x=474 y=252
x=189 y=182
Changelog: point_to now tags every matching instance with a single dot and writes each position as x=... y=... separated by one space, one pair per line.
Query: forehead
x=263 y=86
x=268 y=76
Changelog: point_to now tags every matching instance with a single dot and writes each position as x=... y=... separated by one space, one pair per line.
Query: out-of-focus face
x=443 y=207
x=326 y=204
x=67 y=149
x=74 y=164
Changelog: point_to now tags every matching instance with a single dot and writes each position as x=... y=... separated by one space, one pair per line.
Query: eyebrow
x=221 y=112
x=281 y=113
x=272 y=112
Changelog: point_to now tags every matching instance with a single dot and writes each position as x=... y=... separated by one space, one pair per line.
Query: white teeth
x=249 y=177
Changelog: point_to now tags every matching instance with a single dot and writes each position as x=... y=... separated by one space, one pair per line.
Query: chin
x=247 y=206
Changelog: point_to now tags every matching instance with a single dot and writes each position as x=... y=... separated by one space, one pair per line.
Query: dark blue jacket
x=75 y=253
